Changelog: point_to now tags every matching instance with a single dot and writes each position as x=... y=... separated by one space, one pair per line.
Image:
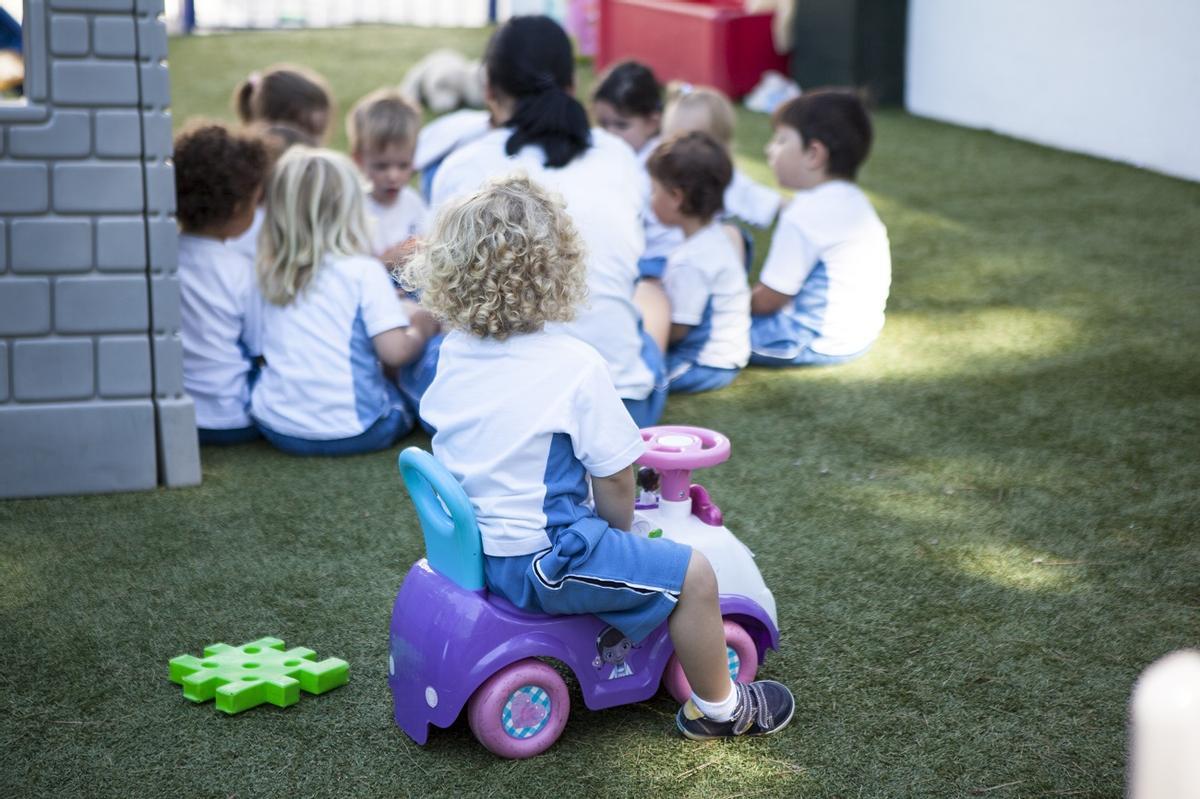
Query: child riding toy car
x=453 y=644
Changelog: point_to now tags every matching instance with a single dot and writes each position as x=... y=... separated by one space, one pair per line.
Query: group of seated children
x=544 y=353
x=294 y=329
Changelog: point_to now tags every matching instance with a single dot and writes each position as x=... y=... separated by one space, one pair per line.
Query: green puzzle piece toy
x=242 y=677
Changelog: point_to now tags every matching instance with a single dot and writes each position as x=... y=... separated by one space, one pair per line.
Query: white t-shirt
x=524 y=464
x=830 y=252
x=246 y=244
x=395 y=223
x=603 y=196
x=446 y=133
x=322 y=380
x=706 y=284
x=750 y=200
x=219 y=306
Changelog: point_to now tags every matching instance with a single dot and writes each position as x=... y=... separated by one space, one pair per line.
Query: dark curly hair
x=696 y=164
x=216 y=170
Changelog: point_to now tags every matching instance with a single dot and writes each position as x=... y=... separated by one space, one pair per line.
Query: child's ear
x=357 y=158
x=818 y=153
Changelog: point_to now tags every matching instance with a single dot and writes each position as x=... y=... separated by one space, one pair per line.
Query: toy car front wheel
x=520 y=710
x=742 y=656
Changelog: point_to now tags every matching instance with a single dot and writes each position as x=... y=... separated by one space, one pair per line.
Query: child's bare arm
x=403 y=345
x=765 y=301
x=614 y=498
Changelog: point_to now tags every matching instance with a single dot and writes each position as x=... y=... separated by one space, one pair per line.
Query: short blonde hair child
x=502 y=261
x=314 y=208
x=700 y=108
x=379 y=119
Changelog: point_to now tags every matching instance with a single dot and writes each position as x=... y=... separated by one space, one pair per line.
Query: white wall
x=1118 y=79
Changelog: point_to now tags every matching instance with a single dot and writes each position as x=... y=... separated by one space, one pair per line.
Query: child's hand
x=420 y=320
x=398 y=255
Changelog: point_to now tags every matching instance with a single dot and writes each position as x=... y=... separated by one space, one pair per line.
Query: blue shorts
x=223 y=437
x=414 y=379
x=629 y=581
x=646 y=412
x=386 y=431
x=778 y=340
x=691 y=378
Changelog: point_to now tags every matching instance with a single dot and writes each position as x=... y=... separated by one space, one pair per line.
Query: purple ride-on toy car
x=453 y=644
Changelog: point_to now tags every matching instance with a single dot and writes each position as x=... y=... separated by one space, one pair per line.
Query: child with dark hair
x=219 y=176
x=288 y=94
x=382 y=130
x=542 y=130
x=821 y=294
x=705 y=279
x=628 y=104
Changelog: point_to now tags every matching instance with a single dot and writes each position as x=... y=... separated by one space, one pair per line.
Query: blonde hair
x=313 y=209
x=687 y=102
x=381 y=118
x=502 y=261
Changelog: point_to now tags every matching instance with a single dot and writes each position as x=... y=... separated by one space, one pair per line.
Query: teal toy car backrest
x=452 y=543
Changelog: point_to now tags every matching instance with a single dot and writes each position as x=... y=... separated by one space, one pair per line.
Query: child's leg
x=689 y=378
x=698 y=634
x=651 y=299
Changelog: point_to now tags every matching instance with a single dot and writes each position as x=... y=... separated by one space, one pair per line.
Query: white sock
x=718 y=711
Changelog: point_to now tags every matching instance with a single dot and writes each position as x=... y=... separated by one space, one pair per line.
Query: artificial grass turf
x=978 y=534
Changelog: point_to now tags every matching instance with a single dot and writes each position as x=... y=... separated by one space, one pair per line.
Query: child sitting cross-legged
x=822 y=290
x=219 y=176
x=704 y=279
x=331 y=317
x=502 y=265
x=382 y=129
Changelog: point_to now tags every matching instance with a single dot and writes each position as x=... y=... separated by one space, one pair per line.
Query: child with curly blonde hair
x=527 y=419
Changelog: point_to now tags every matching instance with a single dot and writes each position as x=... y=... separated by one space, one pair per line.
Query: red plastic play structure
x=710 y=42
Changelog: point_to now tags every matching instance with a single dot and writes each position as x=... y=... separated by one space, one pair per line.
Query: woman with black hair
x=543 y=130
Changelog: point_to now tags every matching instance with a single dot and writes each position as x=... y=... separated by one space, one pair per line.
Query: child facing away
x=286 y=94
x=219 y=177
x=502 y=264
x=382 y=130
x=705 y=279
x=822 y=290
x=331 y=316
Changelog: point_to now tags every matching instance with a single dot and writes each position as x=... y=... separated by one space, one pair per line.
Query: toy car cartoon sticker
x=613 y=647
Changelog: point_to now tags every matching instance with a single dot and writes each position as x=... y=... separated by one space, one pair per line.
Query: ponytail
x=242 y=99
x=553 y=119
x=530 y=60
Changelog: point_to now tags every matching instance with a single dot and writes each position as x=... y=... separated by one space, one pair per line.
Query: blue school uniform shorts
x=646 y=412
x=630 y=582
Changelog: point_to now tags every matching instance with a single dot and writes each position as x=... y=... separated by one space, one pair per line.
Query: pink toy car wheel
x=743 y=662
x=520 y=710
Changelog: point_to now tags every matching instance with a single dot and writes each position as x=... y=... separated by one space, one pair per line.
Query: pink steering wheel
x=675 y=450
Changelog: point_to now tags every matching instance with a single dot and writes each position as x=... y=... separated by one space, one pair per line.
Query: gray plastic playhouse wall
x=91 y=375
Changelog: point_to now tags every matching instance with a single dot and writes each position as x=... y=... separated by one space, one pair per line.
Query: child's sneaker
x=763 y=707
